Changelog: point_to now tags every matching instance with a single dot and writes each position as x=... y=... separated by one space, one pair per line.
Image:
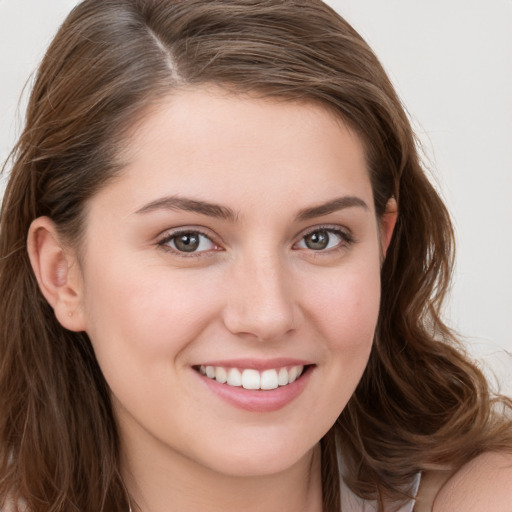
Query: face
x=230 y=280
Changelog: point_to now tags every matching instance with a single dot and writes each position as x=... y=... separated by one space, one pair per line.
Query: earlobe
x=388 y=223
x=57 y=273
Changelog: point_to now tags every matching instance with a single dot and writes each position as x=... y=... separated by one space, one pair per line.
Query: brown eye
x=189 y=242
x=317 y=241
x=324 y=239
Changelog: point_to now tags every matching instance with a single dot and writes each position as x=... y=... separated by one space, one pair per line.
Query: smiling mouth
x=253 y=379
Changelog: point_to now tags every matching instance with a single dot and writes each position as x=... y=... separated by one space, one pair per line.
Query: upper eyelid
x=324 y=227
x=172 y=232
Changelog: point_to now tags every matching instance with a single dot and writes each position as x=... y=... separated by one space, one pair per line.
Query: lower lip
x=259 y=400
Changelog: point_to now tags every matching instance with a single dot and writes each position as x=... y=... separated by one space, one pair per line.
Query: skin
x=253 y=289
x=482 y=484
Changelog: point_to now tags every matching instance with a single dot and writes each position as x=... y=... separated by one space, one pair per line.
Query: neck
x=177 y=483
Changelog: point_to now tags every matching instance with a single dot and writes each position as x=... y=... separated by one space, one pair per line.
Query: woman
x=230 y=298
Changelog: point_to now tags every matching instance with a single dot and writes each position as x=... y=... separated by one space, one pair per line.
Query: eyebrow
x=190 y=205
x=223 y=212
x=335 y=205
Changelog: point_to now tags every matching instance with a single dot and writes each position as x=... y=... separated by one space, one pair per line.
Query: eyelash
x=170 y=237
x=346 y=240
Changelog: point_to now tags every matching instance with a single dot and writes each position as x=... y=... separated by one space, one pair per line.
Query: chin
x=260 y=458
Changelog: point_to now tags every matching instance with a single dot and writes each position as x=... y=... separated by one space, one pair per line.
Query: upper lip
x=257 y=364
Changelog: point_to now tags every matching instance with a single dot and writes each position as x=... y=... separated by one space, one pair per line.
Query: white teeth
x=282 y=378
x=253 y=379
x=234 y=377
x=269 y=379
x=221 y=375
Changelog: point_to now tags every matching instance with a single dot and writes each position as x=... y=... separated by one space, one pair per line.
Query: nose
x=261 y=302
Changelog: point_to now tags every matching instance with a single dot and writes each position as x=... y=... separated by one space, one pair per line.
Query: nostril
x=262 y=324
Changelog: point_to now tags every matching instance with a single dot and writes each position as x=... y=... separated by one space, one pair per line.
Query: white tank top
x=352 y=503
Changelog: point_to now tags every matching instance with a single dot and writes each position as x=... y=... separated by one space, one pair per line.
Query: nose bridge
x=261 y=301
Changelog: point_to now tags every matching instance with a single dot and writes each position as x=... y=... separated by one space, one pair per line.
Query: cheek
x=144 y=313
x=346 y=310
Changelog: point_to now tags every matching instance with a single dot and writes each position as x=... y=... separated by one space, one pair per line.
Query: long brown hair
x=420 y=404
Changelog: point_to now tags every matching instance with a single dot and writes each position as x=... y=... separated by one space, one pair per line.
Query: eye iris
x=317 y=240
x=187 y=242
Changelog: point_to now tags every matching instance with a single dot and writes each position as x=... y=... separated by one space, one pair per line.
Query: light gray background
x=451 y=61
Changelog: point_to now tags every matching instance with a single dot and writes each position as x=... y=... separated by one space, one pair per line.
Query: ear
x=387 y=225
x=57 y=273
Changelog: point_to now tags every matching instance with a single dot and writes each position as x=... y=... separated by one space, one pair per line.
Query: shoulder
x=484 y=483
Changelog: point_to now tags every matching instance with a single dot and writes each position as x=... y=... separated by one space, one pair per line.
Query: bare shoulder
x=484 y=483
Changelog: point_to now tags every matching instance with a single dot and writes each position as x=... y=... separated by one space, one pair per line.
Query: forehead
x=234 y=148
